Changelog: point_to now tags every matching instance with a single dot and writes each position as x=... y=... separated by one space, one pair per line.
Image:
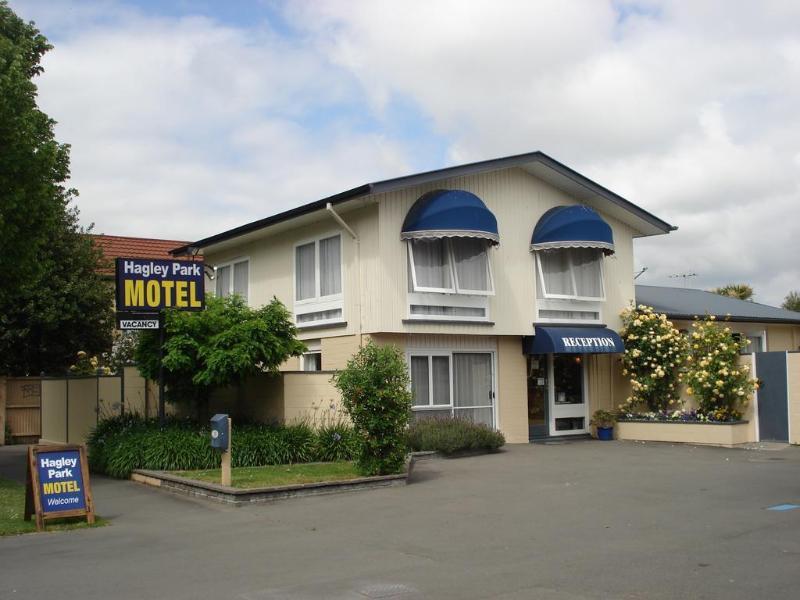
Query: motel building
x=502 y=281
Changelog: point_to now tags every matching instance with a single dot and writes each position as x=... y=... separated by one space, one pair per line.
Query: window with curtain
x=457 y=384
x=318 y=281
x=232 y=278
x=455 y=266
x=574 y=273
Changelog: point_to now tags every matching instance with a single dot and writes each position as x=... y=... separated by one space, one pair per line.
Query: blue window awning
x=572 y=227
x=572 y=340
x=450 y=213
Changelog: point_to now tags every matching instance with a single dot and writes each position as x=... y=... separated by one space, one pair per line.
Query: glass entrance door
x=567 y=400
x=538 y=396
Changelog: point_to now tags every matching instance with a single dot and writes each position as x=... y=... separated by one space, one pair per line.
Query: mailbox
x=219 y=432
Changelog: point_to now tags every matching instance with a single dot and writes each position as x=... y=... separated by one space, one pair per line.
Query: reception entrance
x=556 y=400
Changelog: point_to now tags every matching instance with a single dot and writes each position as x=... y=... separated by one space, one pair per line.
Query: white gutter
x=348 y=229
x=340 y=220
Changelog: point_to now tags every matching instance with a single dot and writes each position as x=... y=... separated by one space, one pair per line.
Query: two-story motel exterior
x=502 y=282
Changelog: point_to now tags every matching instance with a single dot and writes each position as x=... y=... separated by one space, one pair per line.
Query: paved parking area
x=572 y=521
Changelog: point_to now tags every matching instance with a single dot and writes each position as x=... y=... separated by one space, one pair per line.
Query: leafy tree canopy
x=792 y=301
x=52 y=302
x=742 y=291
x=217 y=347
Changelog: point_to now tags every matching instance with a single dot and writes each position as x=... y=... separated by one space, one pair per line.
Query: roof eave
x=730 y=318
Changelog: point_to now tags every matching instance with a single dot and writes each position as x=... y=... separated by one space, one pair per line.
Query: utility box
x=220 y=434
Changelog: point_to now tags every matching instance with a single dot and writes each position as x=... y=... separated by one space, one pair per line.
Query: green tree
x=217 y=347
x=376 y=395
x=792 y=301
x=741 y=291
x=52 y=302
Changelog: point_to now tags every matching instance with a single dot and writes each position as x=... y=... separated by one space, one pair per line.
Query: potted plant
x=604 y=421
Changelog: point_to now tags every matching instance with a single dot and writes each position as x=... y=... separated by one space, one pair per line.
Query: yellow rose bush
x=655 y=352
x=714 y=377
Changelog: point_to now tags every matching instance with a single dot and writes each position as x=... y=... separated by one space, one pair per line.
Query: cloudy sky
x=190 y=117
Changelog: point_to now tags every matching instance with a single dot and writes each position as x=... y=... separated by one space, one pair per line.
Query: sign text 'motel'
x=150 y=285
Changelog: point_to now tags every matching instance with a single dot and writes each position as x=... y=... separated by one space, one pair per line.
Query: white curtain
x=556 y=272
x=223 y=285
x=420 y=383
x=330 y=266
x=472 y=270
x=304 y=272
x=472 y=387
x=441 y=379
x=588 y=276
x=240 y=279
x=431 y=264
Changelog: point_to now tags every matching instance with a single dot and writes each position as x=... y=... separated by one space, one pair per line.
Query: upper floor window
x=318 y=269
x=570 y=273
x=232 y=278
x=450 y=265
x=318 y=281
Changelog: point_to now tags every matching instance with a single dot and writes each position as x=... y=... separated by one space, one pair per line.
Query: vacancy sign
x=145 y=285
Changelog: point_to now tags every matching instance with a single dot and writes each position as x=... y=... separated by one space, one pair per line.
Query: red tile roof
x=115 y=246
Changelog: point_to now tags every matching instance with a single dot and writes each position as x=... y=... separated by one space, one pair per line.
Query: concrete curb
x=241 y=497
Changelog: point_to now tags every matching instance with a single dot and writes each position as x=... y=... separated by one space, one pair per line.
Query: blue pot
x=605 y=433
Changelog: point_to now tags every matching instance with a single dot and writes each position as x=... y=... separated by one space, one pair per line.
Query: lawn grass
x=268 y=476
x=12 y=513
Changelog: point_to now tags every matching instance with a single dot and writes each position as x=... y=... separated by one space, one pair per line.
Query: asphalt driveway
x=578 y=520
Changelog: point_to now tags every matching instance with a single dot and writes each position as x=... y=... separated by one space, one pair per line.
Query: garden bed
x=708 y=433
x=253 y=485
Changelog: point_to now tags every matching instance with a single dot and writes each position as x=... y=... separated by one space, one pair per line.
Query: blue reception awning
x=450 y=213
x=572 y=227
x=572 y=340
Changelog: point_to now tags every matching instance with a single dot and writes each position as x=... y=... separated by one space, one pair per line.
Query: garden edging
x=240 y=497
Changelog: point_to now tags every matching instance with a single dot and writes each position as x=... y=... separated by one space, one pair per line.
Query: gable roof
x=115 y=246
x=687 y=303
x=537 y=163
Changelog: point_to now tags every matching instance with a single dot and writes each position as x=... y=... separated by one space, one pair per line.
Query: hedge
x=121 y=444
x=451 y=436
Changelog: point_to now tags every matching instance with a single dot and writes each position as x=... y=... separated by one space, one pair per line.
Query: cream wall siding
x=793 y=359
x=512 y=390
x=518 y=200
x=272 y=265
x=782 y=338
x=336 y=351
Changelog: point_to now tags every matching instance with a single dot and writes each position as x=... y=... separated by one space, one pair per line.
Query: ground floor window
x=312 y=358
x=458 y=384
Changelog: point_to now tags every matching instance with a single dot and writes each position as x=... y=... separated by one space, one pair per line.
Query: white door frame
x=571 y=410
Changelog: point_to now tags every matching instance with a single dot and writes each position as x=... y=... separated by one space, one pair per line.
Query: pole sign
x=146 y=285
x=58 y=484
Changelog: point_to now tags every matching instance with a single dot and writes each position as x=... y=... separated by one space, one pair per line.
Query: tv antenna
x=683 y=276
x=640 y=273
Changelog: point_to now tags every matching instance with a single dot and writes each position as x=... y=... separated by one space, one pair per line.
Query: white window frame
x=231 y=263
x=540 y=274
x=313 y=347
x=318 y=303
x=463 y=301
x=569 y=305
x=449 y=353
x=455 y=289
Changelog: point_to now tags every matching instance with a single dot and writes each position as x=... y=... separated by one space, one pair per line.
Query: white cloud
x=686 y=108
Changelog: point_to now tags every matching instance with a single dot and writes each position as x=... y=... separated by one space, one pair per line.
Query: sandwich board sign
x=58 y=484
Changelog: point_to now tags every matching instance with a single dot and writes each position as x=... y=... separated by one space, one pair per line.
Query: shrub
x=121 y=444
x=603 y=419
x=714 y=376
x=655 y=351
x=449 y=436
x=375 y=393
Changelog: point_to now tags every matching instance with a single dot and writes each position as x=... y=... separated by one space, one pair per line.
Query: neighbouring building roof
x=686 y=303
x=578 y=186
x=116 y=246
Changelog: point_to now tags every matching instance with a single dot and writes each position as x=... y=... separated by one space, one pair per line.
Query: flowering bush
x=681 y=416
x=655 y=351
x=721 y=386
x=88 y=365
